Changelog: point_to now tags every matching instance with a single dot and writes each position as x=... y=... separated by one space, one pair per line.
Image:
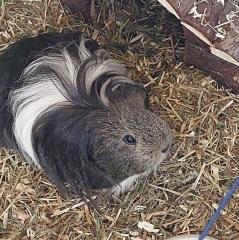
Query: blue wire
x=222 y=205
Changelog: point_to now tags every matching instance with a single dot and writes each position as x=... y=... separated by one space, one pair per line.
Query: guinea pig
x=70 y=108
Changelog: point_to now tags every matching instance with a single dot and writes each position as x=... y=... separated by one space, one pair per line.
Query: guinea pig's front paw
x=124 y=186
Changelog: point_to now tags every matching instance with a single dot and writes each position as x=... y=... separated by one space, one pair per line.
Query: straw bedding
x=182 y=194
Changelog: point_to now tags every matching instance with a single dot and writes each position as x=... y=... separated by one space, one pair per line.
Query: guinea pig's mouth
x=153 y=164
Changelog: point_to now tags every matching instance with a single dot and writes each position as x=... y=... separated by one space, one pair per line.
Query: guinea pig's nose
x=165 y=149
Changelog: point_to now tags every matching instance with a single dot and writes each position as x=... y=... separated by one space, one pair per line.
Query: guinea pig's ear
x=132 y=92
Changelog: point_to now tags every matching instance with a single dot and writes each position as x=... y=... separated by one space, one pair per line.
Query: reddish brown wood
x=223 y=72
x=212 y=37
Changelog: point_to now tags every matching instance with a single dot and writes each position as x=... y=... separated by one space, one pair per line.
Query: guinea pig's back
x=15 y=59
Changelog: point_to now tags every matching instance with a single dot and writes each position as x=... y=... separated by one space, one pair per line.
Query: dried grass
x=181 y=196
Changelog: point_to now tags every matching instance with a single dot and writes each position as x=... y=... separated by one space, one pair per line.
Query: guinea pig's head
x=130 y=138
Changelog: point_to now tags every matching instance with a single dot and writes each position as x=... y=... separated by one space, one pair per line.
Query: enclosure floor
x=181 y=196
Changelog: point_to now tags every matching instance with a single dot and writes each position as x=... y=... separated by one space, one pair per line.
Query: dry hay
x=181 y=196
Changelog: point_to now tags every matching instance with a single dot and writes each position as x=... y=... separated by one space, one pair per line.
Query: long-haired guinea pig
x=71 y=109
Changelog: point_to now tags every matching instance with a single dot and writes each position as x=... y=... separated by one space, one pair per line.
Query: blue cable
x=217 y=212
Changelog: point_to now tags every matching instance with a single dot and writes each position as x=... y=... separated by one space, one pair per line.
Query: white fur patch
x=125 y=185
x=39 y=93
x=28 y=103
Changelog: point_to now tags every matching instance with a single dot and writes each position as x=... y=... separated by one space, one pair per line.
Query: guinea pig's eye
x=130 y=140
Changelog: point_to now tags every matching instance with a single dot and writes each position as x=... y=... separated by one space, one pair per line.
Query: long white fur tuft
x=28 y=103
